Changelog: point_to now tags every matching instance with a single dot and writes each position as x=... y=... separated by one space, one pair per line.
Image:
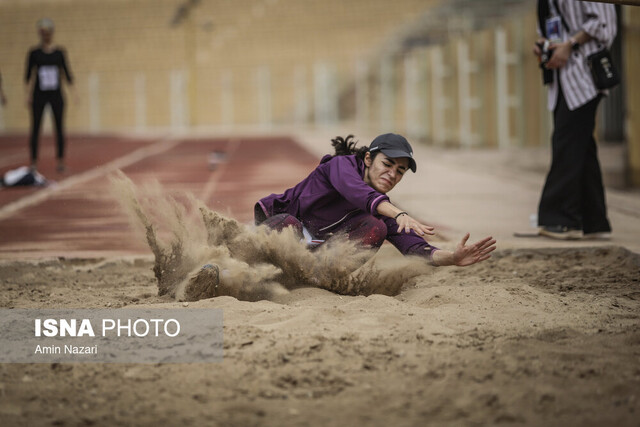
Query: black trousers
x=573 y=195
x=40 y=100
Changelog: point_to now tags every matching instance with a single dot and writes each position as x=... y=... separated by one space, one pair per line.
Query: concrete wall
x=141 y=65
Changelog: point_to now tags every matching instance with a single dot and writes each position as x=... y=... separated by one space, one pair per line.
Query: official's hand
x=560 y=56
x=406 y=224
x=536 y=49
x=479 y=251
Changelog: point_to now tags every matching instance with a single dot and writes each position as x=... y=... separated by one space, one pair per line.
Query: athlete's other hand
x=406 y=224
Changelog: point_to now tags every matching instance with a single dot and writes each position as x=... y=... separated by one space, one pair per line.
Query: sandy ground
x=541 y=334
x=540 y=337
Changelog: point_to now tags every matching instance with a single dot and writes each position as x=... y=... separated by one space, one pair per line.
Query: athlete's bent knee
x=281 y=221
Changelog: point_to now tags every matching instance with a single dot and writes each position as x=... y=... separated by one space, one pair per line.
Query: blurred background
x=452 y=73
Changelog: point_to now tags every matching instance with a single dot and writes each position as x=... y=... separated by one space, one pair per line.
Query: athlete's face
x=383 y=173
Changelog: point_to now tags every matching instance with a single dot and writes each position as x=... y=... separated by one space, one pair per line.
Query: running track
x=79 y=216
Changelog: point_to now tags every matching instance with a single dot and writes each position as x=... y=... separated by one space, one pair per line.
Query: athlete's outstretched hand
x=467 y=255
x=406 y=224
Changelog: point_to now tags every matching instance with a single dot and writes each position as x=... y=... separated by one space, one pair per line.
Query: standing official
x=573 y=204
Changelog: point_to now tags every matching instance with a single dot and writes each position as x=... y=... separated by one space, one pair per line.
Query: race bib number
x=48 y=77
x=554 y=29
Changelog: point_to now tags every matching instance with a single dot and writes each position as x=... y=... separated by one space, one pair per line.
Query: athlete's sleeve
x=65 y=67
x=601 y=21
x=408 y=244
x=344 y=177
x=30 y=64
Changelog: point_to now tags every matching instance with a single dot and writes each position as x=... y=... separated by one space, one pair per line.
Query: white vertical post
x=518 y=97
x=301 y=113
x=425 y=117
x=140 y=91
x=333 y=98
x=178 y=88
x=263 y=81
x=504 y=100
x=464 y=93
x=362 y=93
x=94 y=102
x=413 y=97
x=319 y=93
x=501 y=89
x=226 y=98
x=325 y=95
x=441 y=102
x=466 y=102
x=387 y=107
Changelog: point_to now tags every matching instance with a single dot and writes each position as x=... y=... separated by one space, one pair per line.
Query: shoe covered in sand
x=203 y=284
x=560 y=232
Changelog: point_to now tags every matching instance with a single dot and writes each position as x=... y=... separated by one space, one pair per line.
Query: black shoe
x=560 y=232
x=203 y=284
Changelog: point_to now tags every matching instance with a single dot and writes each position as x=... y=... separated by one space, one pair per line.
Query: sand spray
x=254 y=262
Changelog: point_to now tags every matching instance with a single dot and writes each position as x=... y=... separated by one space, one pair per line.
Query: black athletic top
x=48 y=66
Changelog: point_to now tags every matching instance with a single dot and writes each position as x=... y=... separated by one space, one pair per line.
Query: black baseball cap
x=394 y=146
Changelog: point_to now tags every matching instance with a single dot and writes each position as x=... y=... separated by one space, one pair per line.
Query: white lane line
x=122 y=162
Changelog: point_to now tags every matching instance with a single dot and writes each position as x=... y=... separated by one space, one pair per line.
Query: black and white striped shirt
x=599 y=21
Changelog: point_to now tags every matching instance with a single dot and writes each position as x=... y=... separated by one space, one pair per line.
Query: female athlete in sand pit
x=347 y=194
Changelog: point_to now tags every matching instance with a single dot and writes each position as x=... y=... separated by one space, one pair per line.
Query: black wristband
x=401 y=213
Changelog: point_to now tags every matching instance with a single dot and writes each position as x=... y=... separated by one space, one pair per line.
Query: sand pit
x=253 y=263
x=545 y=336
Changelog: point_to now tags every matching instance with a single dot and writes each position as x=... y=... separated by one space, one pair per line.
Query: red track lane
x=83 y=153
x=86 y=217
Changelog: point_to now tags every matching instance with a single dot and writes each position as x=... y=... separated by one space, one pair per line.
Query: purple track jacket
x=334 y=193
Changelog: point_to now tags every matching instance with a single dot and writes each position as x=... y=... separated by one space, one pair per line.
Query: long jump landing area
x=79 y=215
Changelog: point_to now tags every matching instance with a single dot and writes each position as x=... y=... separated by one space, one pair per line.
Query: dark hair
x=347 y=146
